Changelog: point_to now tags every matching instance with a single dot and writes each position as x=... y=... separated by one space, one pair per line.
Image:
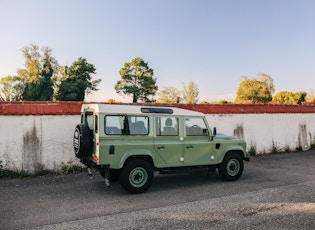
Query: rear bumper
x=90 y=164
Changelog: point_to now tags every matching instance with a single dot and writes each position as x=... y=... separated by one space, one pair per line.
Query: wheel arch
x=238 y=151
x=233 y=149
x=147 y=157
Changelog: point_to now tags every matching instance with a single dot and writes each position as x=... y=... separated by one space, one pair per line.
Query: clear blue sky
x=211 y=42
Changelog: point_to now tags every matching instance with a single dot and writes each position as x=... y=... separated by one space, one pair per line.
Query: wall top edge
x=73 y=108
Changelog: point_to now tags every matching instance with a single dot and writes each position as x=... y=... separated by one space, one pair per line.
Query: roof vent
x=156 y=110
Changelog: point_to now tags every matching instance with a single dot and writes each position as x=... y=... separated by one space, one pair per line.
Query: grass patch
x=68 y=168
x=252 y=151
x=275 y=148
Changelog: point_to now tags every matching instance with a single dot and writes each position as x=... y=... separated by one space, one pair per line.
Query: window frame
x=196 y=129
x=160 y=126
x=125 y=125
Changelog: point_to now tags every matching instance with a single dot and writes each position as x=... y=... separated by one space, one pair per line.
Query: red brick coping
x=73 y=108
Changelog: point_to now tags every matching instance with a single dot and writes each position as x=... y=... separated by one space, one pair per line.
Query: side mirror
x=214 y=132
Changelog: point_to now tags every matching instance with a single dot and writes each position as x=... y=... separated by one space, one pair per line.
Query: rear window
x=126 y=125
x=89 y=120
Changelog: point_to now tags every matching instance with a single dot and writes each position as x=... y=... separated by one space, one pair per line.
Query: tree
x=284 y=97
x=76 y=81
x=38 y=73
x=11 y=88
x=221 y=102
x=310 y=96
x=190 y=93
x=46 y=87
x=299 y=97
x=137 y=80
x=289 y=98
x=255 y=90
x=169 y=95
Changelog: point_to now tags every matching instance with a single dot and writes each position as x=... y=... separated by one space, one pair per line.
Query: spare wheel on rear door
x=82 y=141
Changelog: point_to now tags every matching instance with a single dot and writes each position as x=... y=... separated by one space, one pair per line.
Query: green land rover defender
x=129 y=142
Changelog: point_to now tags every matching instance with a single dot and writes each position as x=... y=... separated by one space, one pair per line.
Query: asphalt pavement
x=275 y=192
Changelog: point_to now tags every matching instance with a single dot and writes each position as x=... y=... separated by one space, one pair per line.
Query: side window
x=138 y=125
x=195 y=126
x=114 y=125
x=166 y=126
x=126 y=125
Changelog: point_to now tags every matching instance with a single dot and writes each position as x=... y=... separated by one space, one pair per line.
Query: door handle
x=161 y=148
x=189 y=147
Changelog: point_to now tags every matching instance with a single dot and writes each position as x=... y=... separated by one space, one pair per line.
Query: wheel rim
x=233 y=167
x=138 y=177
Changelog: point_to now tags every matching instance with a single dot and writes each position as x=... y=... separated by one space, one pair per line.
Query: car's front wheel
x=136 y=176
x=232 y=167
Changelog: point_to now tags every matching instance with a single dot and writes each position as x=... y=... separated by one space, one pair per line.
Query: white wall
x=265 y=131
x=35 y=142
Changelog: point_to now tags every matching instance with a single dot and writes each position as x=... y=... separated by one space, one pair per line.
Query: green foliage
x=169 y=95
x=299 y=97
x=11 y=88
x=284 y=97
x=289 y=98
x=77 y=81
x=38 y=73
x=223 y=102
x=46 y=87
x=41 y=78
x=6 y=173
x=287 y=148
x=299 y=148
x=274 y=148
x=70 y=168
x=190 y=93
x=257 y=90
x=40 y=171
x=252 y=150
x=310 y=96
x=23 y=173
x=137 y=80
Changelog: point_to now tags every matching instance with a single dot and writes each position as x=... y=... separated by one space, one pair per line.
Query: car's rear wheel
x=136 y=176
x=232 y=167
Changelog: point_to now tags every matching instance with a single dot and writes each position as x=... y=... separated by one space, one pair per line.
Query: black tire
x=136 y=176
x=114 y=175
x=82 y=141
x=232 y=167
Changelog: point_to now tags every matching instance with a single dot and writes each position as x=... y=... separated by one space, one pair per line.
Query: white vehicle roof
x=138 y=109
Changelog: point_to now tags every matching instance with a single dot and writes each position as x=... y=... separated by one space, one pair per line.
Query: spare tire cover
x=82 y=141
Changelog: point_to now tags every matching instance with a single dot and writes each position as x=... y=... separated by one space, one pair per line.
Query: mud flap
x=107 y=178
